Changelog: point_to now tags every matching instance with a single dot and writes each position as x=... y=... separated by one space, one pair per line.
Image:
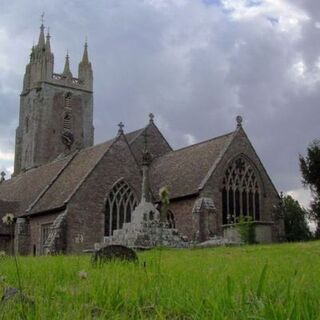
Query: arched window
x=120 y=203
x=240 y=192
x=171 y=220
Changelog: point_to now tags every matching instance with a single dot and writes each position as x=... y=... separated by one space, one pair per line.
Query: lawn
x=249 y=282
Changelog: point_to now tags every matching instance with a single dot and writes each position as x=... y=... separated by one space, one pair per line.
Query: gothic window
x=240 y=192
x=170 y=219
x=120 y=203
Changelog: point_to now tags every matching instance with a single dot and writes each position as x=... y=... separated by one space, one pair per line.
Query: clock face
x=67 y=138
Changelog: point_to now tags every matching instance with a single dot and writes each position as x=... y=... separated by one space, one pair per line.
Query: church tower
x=56 y=110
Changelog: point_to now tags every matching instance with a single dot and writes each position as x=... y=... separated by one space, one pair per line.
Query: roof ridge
x=139 y=131
x=196 y=144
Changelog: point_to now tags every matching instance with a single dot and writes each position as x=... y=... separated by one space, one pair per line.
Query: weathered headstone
x=11 y=293
x=114 y=252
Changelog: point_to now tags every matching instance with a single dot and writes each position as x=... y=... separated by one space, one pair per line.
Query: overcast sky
x=196 y=64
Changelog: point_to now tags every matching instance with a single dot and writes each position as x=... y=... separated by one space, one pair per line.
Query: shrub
x=245 y=227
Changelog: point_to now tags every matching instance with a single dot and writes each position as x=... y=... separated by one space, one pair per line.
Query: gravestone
x=114 y=252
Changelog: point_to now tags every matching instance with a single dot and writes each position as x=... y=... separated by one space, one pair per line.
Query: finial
x=41 y=41
x=3 y=174
x=48 y=32
x=66 y=71
x=121 y=126
x=239 y=121
x=151 y=117
x=85 y=58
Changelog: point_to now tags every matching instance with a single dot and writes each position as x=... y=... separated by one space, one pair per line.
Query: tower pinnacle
x=85 y=58
x=48 y=47
x=66 y=71
x=41 y=42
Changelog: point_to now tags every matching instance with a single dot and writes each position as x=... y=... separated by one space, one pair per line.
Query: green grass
x=249 y=282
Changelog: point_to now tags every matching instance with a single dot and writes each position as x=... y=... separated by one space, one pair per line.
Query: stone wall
x=86 y=210
x=185 y=222
x=157 y=145
x=35 y=225
x=22 y=236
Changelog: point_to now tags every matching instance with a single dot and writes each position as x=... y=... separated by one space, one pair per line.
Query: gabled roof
x=131 y=136
x=183 y=171
x=69 y=179
x=25 y=187
x=51 y=185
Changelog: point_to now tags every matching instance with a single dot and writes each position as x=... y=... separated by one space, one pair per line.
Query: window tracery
x=240 y=192
x=120 y=204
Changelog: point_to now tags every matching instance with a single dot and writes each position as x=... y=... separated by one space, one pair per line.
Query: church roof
x=25 y=187
x=183 y=171
x=69 y=179
x=51 y=186
x=131 y=136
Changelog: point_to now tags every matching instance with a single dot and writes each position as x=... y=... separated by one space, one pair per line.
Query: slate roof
x=25 y=187
x=182 y=171
x=70 y=178
x=50 y=186
x=131 y=136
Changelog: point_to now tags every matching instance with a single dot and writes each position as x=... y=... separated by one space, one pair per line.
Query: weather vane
x=42 y=17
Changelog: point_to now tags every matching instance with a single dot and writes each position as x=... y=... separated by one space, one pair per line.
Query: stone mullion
x=118 y=213
x=110 y=217
x=228 y=205
x=248 y=203
x=240 y=199
x=254 y=205
x=234 y=203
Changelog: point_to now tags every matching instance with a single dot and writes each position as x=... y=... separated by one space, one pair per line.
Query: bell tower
x=56 y=110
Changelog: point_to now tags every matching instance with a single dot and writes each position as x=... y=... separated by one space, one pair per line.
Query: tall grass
x=250 y=282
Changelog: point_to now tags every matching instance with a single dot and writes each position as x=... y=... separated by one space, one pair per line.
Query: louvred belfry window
x=240 y=192
x=120 y=203
x=67 y=114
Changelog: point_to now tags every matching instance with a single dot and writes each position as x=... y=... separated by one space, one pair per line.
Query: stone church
x=70 y=194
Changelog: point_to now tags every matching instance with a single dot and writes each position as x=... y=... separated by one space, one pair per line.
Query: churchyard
x=279 y=281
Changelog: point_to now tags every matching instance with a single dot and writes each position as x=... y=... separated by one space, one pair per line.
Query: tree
x=310 y=170
x=295 y=220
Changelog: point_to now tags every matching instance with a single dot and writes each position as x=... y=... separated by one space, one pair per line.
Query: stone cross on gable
x=151 y=117
x=121 y=126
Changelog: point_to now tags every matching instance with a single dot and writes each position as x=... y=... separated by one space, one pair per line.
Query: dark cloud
x=193 y=64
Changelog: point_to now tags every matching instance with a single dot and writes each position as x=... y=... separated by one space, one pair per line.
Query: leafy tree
x=310 y=169
x=295 y=220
